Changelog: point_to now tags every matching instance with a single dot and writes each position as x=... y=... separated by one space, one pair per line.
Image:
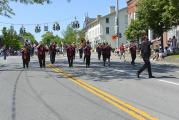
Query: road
x=96 y=93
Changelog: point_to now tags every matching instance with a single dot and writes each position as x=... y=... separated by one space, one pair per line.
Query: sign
x=114 y=37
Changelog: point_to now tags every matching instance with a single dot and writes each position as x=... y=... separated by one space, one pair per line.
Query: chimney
x=112 y=9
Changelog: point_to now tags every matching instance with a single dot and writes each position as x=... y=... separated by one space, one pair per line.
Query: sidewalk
x=173 y=59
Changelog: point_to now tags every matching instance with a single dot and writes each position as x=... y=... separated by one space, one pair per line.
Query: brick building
x=131 y=8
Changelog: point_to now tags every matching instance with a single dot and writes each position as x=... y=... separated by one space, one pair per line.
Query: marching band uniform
x=52 y=51
x=87 y=52
x=70 y=55
x=41 y=54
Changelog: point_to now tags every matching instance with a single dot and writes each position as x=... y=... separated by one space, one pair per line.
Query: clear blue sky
x=60 y=11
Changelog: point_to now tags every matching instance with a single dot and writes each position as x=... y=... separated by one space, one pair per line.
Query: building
x=102 y=28
x=131 y=9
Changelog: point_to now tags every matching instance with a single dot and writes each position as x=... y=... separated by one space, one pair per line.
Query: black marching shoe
x=137 y=74
x=152 y=77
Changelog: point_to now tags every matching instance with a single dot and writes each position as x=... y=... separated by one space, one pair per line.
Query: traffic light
x=4 y=28
x=12 y=28
x=21 y=30
x=36 y=29
x=54 y=27
x=120 y=35
x=57 y=26
x=24 y=30
x=45 y=28
x=78 y=25
x=39 y=29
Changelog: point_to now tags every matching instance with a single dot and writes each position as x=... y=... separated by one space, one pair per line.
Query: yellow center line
x=136 y=113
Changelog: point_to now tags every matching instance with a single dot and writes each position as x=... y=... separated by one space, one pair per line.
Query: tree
x=48 y=37
x=29 y=36
x=10 y=39
x=135 y=30
x=7 y=11
x=158 y=15
x=69 y=35
x=81 y=34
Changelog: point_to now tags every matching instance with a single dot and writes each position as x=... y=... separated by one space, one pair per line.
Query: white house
x=102 y=28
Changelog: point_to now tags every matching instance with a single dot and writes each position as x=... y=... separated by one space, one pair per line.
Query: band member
x=4 y=52
x=99 y=50
x=132 y=49
x=81 y=50
x=74 y=46
x=104 y=53
x=84 y=59
x=41 y=54
x=108 y=50
x=52 y=51
x=25 y=56
x=87 y=52
x=70 y=54
x=122 y=51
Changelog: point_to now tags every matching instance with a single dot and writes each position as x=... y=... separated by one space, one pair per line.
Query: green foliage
x=135 y=30
x=69 y=35
x=29 y=36
x=81 y=34
x=7 y=11
x=159 y=15
x=48 y=37
x=10 y=39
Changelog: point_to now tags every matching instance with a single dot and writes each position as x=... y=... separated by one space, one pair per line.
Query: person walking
x=81 y=50
x=41 y=54
x=99 y=50
x=74 y=46
x=4 y=52
x=146 y=53
x=104 y=53
x=132 y=49
x=70 y=54
x=174 y=44
x=108 y=50
x=87 y=52
x=122 y=51
x=52 y=51
x=25 y=56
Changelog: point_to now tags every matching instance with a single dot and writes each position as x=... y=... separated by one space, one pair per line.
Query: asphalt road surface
x=58 y=92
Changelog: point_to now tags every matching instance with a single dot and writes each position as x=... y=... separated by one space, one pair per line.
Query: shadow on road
x=117 y=71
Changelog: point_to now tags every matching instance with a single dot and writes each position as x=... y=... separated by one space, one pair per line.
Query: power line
x=60 y=21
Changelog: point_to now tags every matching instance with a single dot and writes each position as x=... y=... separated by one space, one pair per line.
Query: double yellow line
x=134 y=112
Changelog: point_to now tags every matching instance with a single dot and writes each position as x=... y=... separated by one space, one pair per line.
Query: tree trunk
x=161 y=35
x=138 y=42
x=162 y=42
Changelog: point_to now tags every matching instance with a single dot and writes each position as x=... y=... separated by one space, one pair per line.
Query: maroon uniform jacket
x=41 y=51
x=133 y=48
x=87 y=50
x=70 y=51
x=52 y=48
x=25 y=54
x=99 y=49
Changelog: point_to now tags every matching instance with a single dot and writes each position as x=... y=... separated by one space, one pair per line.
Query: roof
x=103 y=17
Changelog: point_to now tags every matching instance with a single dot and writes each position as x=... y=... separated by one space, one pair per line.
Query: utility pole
x=117 y=22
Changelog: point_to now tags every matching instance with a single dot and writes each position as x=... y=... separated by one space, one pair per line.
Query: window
x=107 y=30
x=107 y=20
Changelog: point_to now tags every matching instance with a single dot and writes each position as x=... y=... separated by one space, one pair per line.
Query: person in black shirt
x=146 y=53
